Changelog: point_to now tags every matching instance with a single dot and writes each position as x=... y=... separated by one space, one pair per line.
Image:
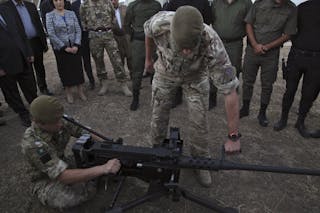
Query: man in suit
x=29 y=23
x=15 y=58
x=85 y=48
x=120 y=35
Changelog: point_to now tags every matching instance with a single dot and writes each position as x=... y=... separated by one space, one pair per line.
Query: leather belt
x=100 y=29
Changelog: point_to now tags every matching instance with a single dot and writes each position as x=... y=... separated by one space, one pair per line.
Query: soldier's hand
x=112 y=166
x=232 y=147
x=258 y=49
x=148 y=65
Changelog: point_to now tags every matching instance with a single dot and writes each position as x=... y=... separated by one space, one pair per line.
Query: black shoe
x=134 y=105
x=135 y=101
x=302 y=129
x=46 y=92
x=280 y=125
x=25 y=120
x=244 y=112
x=263 y=121
x=315 y=134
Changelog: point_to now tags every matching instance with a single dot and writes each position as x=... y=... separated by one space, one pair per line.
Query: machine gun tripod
x=160 y=167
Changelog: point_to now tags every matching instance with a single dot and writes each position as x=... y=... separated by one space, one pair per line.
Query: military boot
x=204 y=177
x=125 y=90
x=244 y=111
x=282 y=123
x=301 y=127
x=135 y=101
x=262 y=117
x=315 y=134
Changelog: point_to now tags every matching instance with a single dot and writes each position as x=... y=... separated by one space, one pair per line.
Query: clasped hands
x=72 y=50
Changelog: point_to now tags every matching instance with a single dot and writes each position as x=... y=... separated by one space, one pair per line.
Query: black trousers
x=302 y=63
x=38 y=62
x=85 y=54
x=26 y=81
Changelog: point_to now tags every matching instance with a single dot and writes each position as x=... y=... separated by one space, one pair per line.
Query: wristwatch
x=234 y=136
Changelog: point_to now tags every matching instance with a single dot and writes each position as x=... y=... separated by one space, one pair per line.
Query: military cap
x=186 y=27
x=46 y=109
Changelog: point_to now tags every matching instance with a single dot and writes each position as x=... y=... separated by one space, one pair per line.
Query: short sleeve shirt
x=209 y=58
x=270 y=20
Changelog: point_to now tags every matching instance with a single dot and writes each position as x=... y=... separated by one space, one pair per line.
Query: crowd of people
x=190 y=47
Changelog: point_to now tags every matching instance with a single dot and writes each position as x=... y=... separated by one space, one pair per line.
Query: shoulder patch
x=44 y=155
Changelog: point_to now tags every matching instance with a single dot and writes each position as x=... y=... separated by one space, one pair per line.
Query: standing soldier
x=138 y=12
x=269 y=24
x=187 y=51
x=120 y=35
x=97 y=17
x=228 y=21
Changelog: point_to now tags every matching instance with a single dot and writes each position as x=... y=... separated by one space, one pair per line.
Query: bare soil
x=249 y=192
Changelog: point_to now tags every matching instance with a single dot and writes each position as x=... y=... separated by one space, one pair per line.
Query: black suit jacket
x=13 y=46
x=35 y=18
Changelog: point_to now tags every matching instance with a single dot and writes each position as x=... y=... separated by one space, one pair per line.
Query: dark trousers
x=26 y=81
x=138 y=57
x=38 y=63
x=306 y=64
x=85 y=54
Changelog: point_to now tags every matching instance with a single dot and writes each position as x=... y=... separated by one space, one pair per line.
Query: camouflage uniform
x=97 y=14
x=45 y=155
x=191 y=73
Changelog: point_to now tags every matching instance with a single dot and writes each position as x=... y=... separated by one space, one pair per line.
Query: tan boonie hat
x=186 y=27
x=46 y=109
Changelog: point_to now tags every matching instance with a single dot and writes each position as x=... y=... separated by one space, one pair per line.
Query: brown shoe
x=204 y=177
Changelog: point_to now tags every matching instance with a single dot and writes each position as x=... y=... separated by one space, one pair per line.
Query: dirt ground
x=249 y=192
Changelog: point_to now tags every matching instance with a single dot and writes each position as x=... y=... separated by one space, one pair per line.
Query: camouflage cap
x=46 y=109
x=186 y=27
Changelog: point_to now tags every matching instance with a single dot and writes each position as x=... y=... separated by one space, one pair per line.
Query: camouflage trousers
x=58 y=195
x=196 y=93
x=105 y=41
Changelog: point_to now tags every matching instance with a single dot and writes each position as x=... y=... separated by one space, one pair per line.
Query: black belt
x=307 y=53
x=231 y=40
x=100 y=29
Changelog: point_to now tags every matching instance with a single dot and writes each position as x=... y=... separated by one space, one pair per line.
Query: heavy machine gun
x=160 y=166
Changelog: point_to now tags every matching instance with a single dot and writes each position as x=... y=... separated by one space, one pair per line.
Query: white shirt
x=117 y=13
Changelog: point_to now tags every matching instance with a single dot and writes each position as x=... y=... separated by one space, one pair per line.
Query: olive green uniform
x=138 y=12
x=269 y=21
x=45 y=154
x=228 y=22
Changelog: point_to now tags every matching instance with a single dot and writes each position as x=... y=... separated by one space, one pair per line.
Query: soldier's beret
x=186 y=27
x=46 y=109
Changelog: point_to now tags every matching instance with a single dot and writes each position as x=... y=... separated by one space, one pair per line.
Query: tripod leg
x=139 y=201
x=206 y=203
x=116 y=194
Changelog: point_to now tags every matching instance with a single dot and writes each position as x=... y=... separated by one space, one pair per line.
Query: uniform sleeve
x=43 y=158
x=127 y=20
x=158 y=24
x=251 y=16
x=220 y=69
x=83 y=17
x=74 y=130
x=290 y=27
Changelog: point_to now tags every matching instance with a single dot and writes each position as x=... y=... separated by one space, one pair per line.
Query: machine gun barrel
x=216 y=165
